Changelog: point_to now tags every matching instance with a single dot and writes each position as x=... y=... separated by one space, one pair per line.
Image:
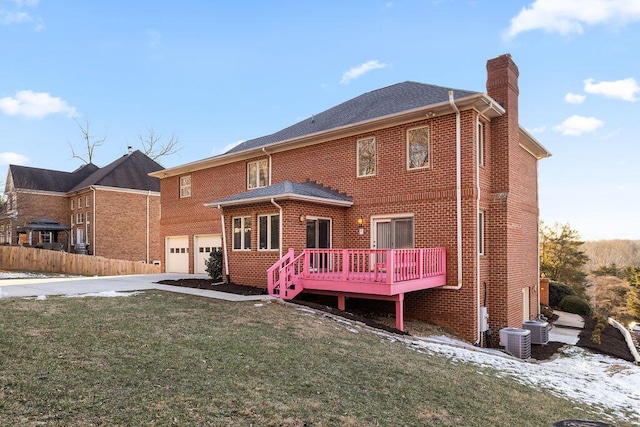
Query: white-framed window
x=79 y=202
x=87 y=201
x=73 y=220
x=185 y=186
x=480 y=143
x=269 y=232
x=366 y=156
x=45 y=237
x=242 y=233
x=481 y=232
x=88 y=228
x=418 y=156
x=73 y=204
x=257 y=174
x=79 y=218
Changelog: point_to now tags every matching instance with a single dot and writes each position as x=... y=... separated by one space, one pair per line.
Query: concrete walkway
x=566 y=328
x=12 y=288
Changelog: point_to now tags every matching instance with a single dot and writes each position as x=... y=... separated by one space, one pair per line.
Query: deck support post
x=400 y=312
x=342 y=301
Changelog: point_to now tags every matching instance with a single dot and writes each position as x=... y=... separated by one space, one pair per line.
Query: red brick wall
x=32 y=207
x=121 y=225
x=508 y=195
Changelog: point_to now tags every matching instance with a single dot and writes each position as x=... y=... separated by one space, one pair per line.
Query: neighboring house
x=113 y=211
x=432 y=193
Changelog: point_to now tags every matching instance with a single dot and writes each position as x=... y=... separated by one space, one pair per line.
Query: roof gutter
x=283 y=196
x=458 y=194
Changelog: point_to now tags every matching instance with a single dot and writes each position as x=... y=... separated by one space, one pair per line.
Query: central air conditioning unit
x=516 y=342
x=539 y=331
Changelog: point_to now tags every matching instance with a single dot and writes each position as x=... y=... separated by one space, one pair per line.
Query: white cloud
x=9 y=158
x=356 y=72
x=8 y=18
x=35 y=105
x=570 y=16
x=620 y=89
x=574 y=98
x=577 y=125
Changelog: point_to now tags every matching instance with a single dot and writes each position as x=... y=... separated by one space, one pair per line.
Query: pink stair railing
x=385 y=266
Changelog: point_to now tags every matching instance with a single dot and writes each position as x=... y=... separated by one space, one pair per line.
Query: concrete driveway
x=12 y=288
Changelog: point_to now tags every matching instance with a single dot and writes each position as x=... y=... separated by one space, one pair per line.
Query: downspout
x=148 y=196
x=270 y=161
x=93 y=230
x=224 y=245
x=273 y=202
x=538 y=240
x=480 y=320
x=458 y=195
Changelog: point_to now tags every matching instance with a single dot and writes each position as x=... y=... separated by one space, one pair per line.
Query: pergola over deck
x=382 y=274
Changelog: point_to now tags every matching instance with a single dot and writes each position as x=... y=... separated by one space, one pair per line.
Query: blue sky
x=215 y=73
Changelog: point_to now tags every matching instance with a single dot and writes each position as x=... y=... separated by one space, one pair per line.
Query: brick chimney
x=502 y=86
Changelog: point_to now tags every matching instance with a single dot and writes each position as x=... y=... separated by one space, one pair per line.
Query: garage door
x=177 y=255
x=204 y=244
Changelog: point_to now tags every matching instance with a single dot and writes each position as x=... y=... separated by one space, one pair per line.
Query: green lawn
x=169 y=359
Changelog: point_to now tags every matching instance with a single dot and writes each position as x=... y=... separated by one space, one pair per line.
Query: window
x=79 y=202
x=269 y=232
x=481 y=232
x=73 y=220
x=79 y=218
x=257 y=173
x=366 y=156
x=418 y=148
x=480 y=143
x=185 y=186
x=87 y=199
x=242 y=233
x=44 y=237
x=73 y=204
x=88 y=230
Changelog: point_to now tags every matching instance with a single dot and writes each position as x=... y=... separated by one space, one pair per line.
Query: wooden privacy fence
x=34 y=259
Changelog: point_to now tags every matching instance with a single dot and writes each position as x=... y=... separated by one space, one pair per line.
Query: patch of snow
x=258 y=305
x=105 y=294
x=38 y=298
x=18 y=275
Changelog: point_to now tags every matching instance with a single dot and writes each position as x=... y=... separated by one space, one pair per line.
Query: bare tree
x=90 y=143
x=154 y=147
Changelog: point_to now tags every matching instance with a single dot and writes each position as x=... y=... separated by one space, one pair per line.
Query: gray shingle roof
x=29 y=178
x=378 y=103
x=310 y=191
x=130 y=171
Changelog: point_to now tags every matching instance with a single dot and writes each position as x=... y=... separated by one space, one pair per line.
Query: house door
x=525 y=305
x=79 y=236
x=392 y=233
x=318 y=237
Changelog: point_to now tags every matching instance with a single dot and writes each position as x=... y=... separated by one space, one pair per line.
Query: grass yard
x=159 y=358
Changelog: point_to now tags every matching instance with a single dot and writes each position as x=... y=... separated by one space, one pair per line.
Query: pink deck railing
x=383 y=266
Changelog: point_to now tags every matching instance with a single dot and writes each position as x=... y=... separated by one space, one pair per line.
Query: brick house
x=400 y=168
x=113 y=211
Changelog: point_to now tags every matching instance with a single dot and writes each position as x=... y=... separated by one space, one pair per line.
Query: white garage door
x=177 y=255
x=204 y=244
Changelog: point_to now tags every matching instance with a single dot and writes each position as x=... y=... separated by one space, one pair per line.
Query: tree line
x=604 y=273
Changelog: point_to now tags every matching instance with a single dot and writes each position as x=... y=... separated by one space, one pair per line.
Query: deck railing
x=384 y=266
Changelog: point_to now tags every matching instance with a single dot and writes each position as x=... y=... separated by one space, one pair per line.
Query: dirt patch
x=612 y=344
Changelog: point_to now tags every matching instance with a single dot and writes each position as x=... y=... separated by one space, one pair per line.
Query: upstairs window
x=242 y=233
x=418 y=148
x=480 y=143
x=73 y=204
x=87 y=199
x=79 y=202
x=79 y=218
x=257 y=174
x=185 y=186
x=366 y=148
x=269 y=232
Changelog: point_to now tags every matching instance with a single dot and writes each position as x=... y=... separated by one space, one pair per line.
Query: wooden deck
x=385 y=274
